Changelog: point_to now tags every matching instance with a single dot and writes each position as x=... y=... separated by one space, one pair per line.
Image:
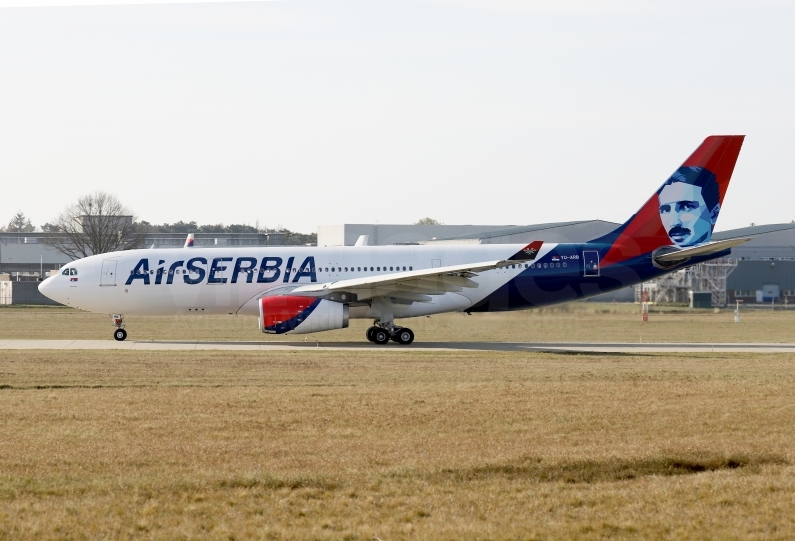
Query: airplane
x=311 y=289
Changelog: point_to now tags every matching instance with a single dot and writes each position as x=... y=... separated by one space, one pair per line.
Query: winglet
x=189 y=241
x=528 y=253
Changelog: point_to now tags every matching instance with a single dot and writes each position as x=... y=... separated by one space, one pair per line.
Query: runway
x=558 y=347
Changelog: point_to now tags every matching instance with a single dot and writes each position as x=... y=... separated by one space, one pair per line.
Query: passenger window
x=411 y=268
x=371 y=269
x=404 y=268
x=359 y=269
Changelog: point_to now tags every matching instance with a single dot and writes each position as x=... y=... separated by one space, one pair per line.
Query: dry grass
x=576 y=322
x=342 y=445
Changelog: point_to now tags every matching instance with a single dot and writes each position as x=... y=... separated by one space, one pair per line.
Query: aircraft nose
x=44 y=286
x=48 y=289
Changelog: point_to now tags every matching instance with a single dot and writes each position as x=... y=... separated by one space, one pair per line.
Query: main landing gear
x=118 y=321
x=382 y=335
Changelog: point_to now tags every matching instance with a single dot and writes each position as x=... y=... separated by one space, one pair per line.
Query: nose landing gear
x=381 y=335
x=118 y=321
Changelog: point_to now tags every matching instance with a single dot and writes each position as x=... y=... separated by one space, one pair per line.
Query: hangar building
x=23 y=256
x=765 y=266
x=387 y=234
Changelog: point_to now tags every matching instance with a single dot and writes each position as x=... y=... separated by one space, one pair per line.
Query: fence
x=5 y=292
x=23 y=293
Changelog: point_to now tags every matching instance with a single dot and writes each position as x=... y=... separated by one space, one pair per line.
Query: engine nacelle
x=300 y=315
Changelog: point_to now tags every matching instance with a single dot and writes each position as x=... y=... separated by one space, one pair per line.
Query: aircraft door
x=591 y=261
x=108 y=277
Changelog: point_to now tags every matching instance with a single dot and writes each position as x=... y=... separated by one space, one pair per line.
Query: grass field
x=402 y=445
x=579 y=322
x=399 y=444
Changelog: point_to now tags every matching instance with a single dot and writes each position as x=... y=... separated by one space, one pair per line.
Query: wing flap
x=433 y=281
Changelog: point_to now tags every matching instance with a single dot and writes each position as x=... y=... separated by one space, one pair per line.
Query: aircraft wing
x=704 y=249
x=414 y=286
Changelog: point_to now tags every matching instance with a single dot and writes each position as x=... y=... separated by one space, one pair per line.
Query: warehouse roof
x=752 y=231
x=522 y=229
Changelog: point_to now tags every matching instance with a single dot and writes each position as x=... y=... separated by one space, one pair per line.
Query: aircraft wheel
x=120 y=335
x=380 y=336
x=404 y=336
x=370 y=332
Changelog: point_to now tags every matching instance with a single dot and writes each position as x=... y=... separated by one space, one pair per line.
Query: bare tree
x=95 y=224
x=20 y=224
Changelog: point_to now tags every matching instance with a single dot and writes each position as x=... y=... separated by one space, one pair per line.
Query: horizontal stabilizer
x=704 y=249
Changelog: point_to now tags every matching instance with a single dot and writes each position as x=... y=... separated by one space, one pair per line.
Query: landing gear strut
x=381 y=335
x=118 y=321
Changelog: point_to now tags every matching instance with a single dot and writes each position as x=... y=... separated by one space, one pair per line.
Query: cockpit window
x=65 y=272
x=73 y=272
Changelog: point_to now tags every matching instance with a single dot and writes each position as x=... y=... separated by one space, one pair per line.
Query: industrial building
x=759 y=271
x=388 y=234
x=23 y=256
x=762 y=270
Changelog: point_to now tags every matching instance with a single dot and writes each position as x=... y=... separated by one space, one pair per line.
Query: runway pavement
x=580 y=347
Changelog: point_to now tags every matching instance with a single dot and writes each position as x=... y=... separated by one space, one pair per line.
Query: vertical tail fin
x=683 y=211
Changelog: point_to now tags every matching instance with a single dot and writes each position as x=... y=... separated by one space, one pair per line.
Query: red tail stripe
x=645 y=232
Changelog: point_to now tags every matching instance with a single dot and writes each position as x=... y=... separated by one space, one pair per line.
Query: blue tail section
x=680 y=214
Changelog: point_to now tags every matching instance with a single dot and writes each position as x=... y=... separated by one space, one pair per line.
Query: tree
x=176 y=227
x=20 y=224
x=428 y=221
x=95 y=224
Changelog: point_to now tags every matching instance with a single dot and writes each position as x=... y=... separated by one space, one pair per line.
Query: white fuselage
x=217 y=280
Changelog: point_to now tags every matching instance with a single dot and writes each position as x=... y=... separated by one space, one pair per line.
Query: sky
x=299 y=113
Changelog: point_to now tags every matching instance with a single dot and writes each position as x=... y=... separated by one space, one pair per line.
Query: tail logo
x=689 y=206
x=683 y=211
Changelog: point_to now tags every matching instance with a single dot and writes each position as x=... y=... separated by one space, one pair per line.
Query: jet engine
x=300 y=315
